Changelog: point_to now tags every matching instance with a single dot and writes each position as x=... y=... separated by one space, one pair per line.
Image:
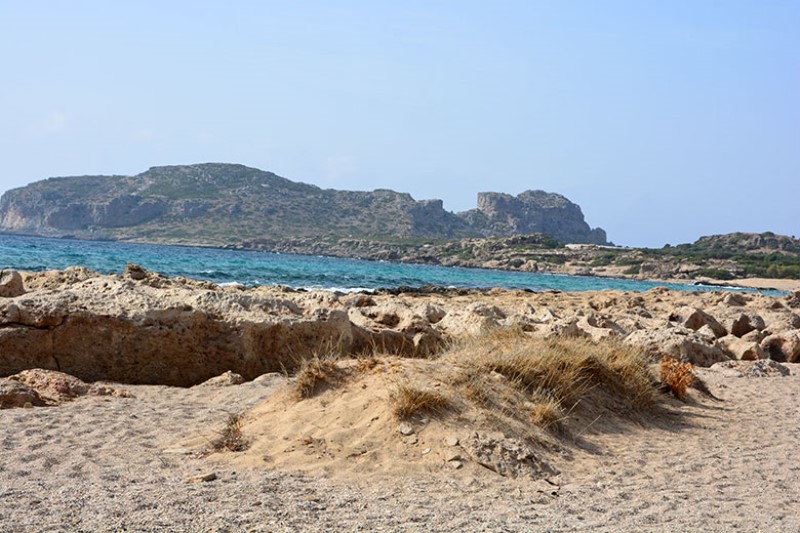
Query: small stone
x=452 y=456
x=426 y=451
x=202 y=479
x=406 y=429
x=455 y=465
x=134 y=271
x=412 y=439
x=451 y=441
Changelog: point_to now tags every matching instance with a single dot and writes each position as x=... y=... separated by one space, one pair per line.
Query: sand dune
x=109 y=463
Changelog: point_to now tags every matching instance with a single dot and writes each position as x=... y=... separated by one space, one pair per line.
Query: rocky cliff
x=530 y=212
x=219 y=204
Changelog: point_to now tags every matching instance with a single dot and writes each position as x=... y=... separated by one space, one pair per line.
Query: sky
x=664 y=121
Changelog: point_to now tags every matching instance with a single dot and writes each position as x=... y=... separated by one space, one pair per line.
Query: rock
x=793 y=299
x=134 y=272
x=694 y=319
x=756 y=369
x=707 y=334
x=741 y=349
x=52 y=383
x=204 y=478
x=679 y=343
x=451 y=441
x=11 y=284
x=432 y=313
x=754 y=336
x=742 y=323
x=405 y=429
x=174 y=334
x=784 y=346
x=16 y=394
x=564 y=327
x=452 y=456
x=600 y=328
x=61 y=387
x=533 y=212
x=507 y=457
x=360 y=300
x=225 y=379
x=735 y=299
x=427 y=342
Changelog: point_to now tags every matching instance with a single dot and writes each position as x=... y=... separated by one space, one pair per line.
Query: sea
x=251 y=268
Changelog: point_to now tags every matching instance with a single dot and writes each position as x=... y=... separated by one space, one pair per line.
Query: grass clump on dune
x=230 y=438
x=517 y=376
x=313 y=374
x=408 y=401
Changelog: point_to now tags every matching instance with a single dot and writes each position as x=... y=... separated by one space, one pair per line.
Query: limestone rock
x=757 y=369
x=225 y=379
x=134 y=272
x=694 y=319
x=679 y=343
x=532 y=212
x=11 y=284
x=507 y=457
x=60 y=387
x=16 y=394
x=742 y=323
x=741 y=349
x=784 y=346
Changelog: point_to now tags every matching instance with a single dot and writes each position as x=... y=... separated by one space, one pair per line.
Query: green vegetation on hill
x=220 y=204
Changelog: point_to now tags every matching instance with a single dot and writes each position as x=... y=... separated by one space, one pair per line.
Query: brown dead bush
x=676 y=377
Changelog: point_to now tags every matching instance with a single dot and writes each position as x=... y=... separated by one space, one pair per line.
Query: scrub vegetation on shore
x=735 y=256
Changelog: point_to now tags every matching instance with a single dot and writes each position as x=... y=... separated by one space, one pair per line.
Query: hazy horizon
x=664 y=122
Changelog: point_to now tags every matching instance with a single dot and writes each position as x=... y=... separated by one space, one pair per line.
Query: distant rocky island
x=216 y=204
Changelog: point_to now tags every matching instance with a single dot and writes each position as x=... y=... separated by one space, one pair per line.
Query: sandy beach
x=141 y=454
x=116 y=464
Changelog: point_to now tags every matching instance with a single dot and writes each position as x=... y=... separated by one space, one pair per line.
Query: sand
x=122 y=464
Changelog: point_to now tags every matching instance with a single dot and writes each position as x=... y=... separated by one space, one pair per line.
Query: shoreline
x=761 y=284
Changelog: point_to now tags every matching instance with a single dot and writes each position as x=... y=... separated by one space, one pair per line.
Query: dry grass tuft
x=568 y=369
x=513 y=374
x=409 y=401
x=676 y=377
x=367 y=364
x=313 y=374
x=546 y=414
x=231 y=438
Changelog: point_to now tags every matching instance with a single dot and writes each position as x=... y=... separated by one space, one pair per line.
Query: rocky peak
x=533 y=212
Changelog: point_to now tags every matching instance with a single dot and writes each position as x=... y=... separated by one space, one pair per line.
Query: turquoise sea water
x=261 y=268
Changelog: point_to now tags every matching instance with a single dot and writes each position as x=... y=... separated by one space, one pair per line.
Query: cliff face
x=218 y=204
x=501 y=214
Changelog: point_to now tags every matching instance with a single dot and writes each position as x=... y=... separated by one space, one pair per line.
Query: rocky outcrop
x=532 y=212
x=140 y=327
x=221 y=204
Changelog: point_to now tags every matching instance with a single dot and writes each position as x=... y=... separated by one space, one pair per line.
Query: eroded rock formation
x=141 y=327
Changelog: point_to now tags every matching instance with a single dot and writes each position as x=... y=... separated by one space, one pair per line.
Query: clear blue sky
x=664 y=120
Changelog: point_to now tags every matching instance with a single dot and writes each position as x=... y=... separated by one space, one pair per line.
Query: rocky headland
x=217 y=204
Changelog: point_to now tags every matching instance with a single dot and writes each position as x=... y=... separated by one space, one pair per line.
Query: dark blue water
x=261 y=268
